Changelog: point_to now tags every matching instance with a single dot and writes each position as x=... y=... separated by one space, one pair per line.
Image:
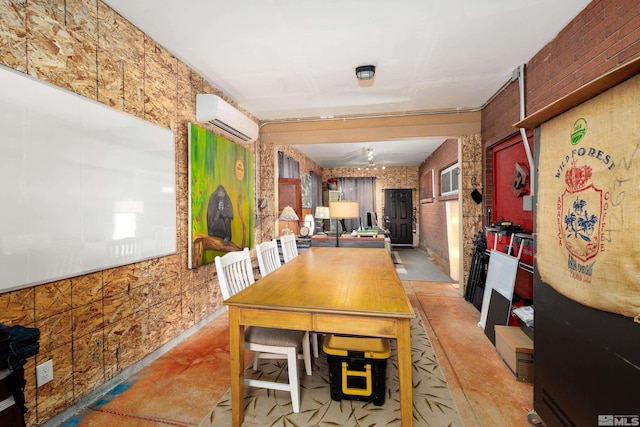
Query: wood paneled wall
x=95 y=326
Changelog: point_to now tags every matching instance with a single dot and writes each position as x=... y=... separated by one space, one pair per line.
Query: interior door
x=290 y=194
x=507 y=203
x=398 y=215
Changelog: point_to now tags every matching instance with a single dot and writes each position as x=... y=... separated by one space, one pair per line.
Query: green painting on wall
x=222 y=185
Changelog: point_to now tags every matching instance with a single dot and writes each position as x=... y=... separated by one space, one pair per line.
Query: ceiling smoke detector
x=365 y=72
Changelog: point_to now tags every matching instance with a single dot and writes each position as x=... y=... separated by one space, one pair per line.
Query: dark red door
x=508 y=157
x=290 y=194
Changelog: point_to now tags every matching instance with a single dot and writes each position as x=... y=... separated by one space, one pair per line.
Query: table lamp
x=322 y=213
x=310 y=223
x=288 y=214
x=342 y=209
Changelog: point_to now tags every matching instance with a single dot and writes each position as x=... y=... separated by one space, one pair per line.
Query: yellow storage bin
x=357 y=367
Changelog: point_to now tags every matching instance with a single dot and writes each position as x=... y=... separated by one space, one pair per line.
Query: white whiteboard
x=83 y=187
x=501 y=276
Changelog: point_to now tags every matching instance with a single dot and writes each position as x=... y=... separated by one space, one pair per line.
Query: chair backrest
x=234 y=272
x=268 y=257
x=289 y=247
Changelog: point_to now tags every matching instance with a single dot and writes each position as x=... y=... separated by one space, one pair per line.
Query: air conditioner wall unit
x=218 y=112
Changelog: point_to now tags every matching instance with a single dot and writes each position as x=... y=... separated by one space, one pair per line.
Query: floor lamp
x=322 y=213
x=343 y=209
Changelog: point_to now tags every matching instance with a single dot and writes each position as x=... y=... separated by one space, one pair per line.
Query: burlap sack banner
x=588 y=212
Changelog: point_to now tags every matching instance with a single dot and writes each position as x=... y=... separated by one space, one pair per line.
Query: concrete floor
x=181 y=387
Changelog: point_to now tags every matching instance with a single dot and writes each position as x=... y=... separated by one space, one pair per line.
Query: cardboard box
x=515 y=349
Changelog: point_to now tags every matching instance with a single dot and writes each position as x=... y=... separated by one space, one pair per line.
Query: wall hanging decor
x=221 y=188
x=84 y=187
x=589 y=211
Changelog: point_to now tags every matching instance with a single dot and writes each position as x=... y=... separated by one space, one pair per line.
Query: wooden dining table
x=332 y=290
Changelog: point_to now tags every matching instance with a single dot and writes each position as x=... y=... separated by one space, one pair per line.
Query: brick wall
x=432 y=218
x=603 y=36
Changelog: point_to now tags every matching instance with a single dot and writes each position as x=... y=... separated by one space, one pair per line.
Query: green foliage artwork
x=222 y=187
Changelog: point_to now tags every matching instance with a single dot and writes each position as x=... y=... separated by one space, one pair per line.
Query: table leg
x=236 y=358
x=404 y=372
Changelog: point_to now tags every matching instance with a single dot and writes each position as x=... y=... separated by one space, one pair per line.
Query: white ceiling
x=296 y=58
x=404 y=152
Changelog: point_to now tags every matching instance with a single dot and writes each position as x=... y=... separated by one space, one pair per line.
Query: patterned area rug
x=433 y=404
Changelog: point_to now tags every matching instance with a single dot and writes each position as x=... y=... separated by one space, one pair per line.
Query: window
x=449 y=179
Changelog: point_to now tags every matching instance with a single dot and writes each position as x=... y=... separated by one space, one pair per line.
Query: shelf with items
x=512 y=243
x=332 y=184
x=520 y=245
x=332 y=196
x=6 y=398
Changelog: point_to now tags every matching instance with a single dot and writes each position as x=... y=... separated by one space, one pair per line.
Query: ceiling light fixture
x=365 y=72
x=370 y=154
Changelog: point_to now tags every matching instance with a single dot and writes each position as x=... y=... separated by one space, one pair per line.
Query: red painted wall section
x=507 y=203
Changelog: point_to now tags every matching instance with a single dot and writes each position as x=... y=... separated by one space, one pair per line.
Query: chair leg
x=256 y=360
x=314 y=343
x=306 y=353
x=294 y=379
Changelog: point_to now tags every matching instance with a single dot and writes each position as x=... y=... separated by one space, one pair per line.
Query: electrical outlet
x=44 y=373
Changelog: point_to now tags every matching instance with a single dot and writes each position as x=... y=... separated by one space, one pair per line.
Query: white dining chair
x=268 y=257
x=235 y=273
x=289 y=247
x=269 y=261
